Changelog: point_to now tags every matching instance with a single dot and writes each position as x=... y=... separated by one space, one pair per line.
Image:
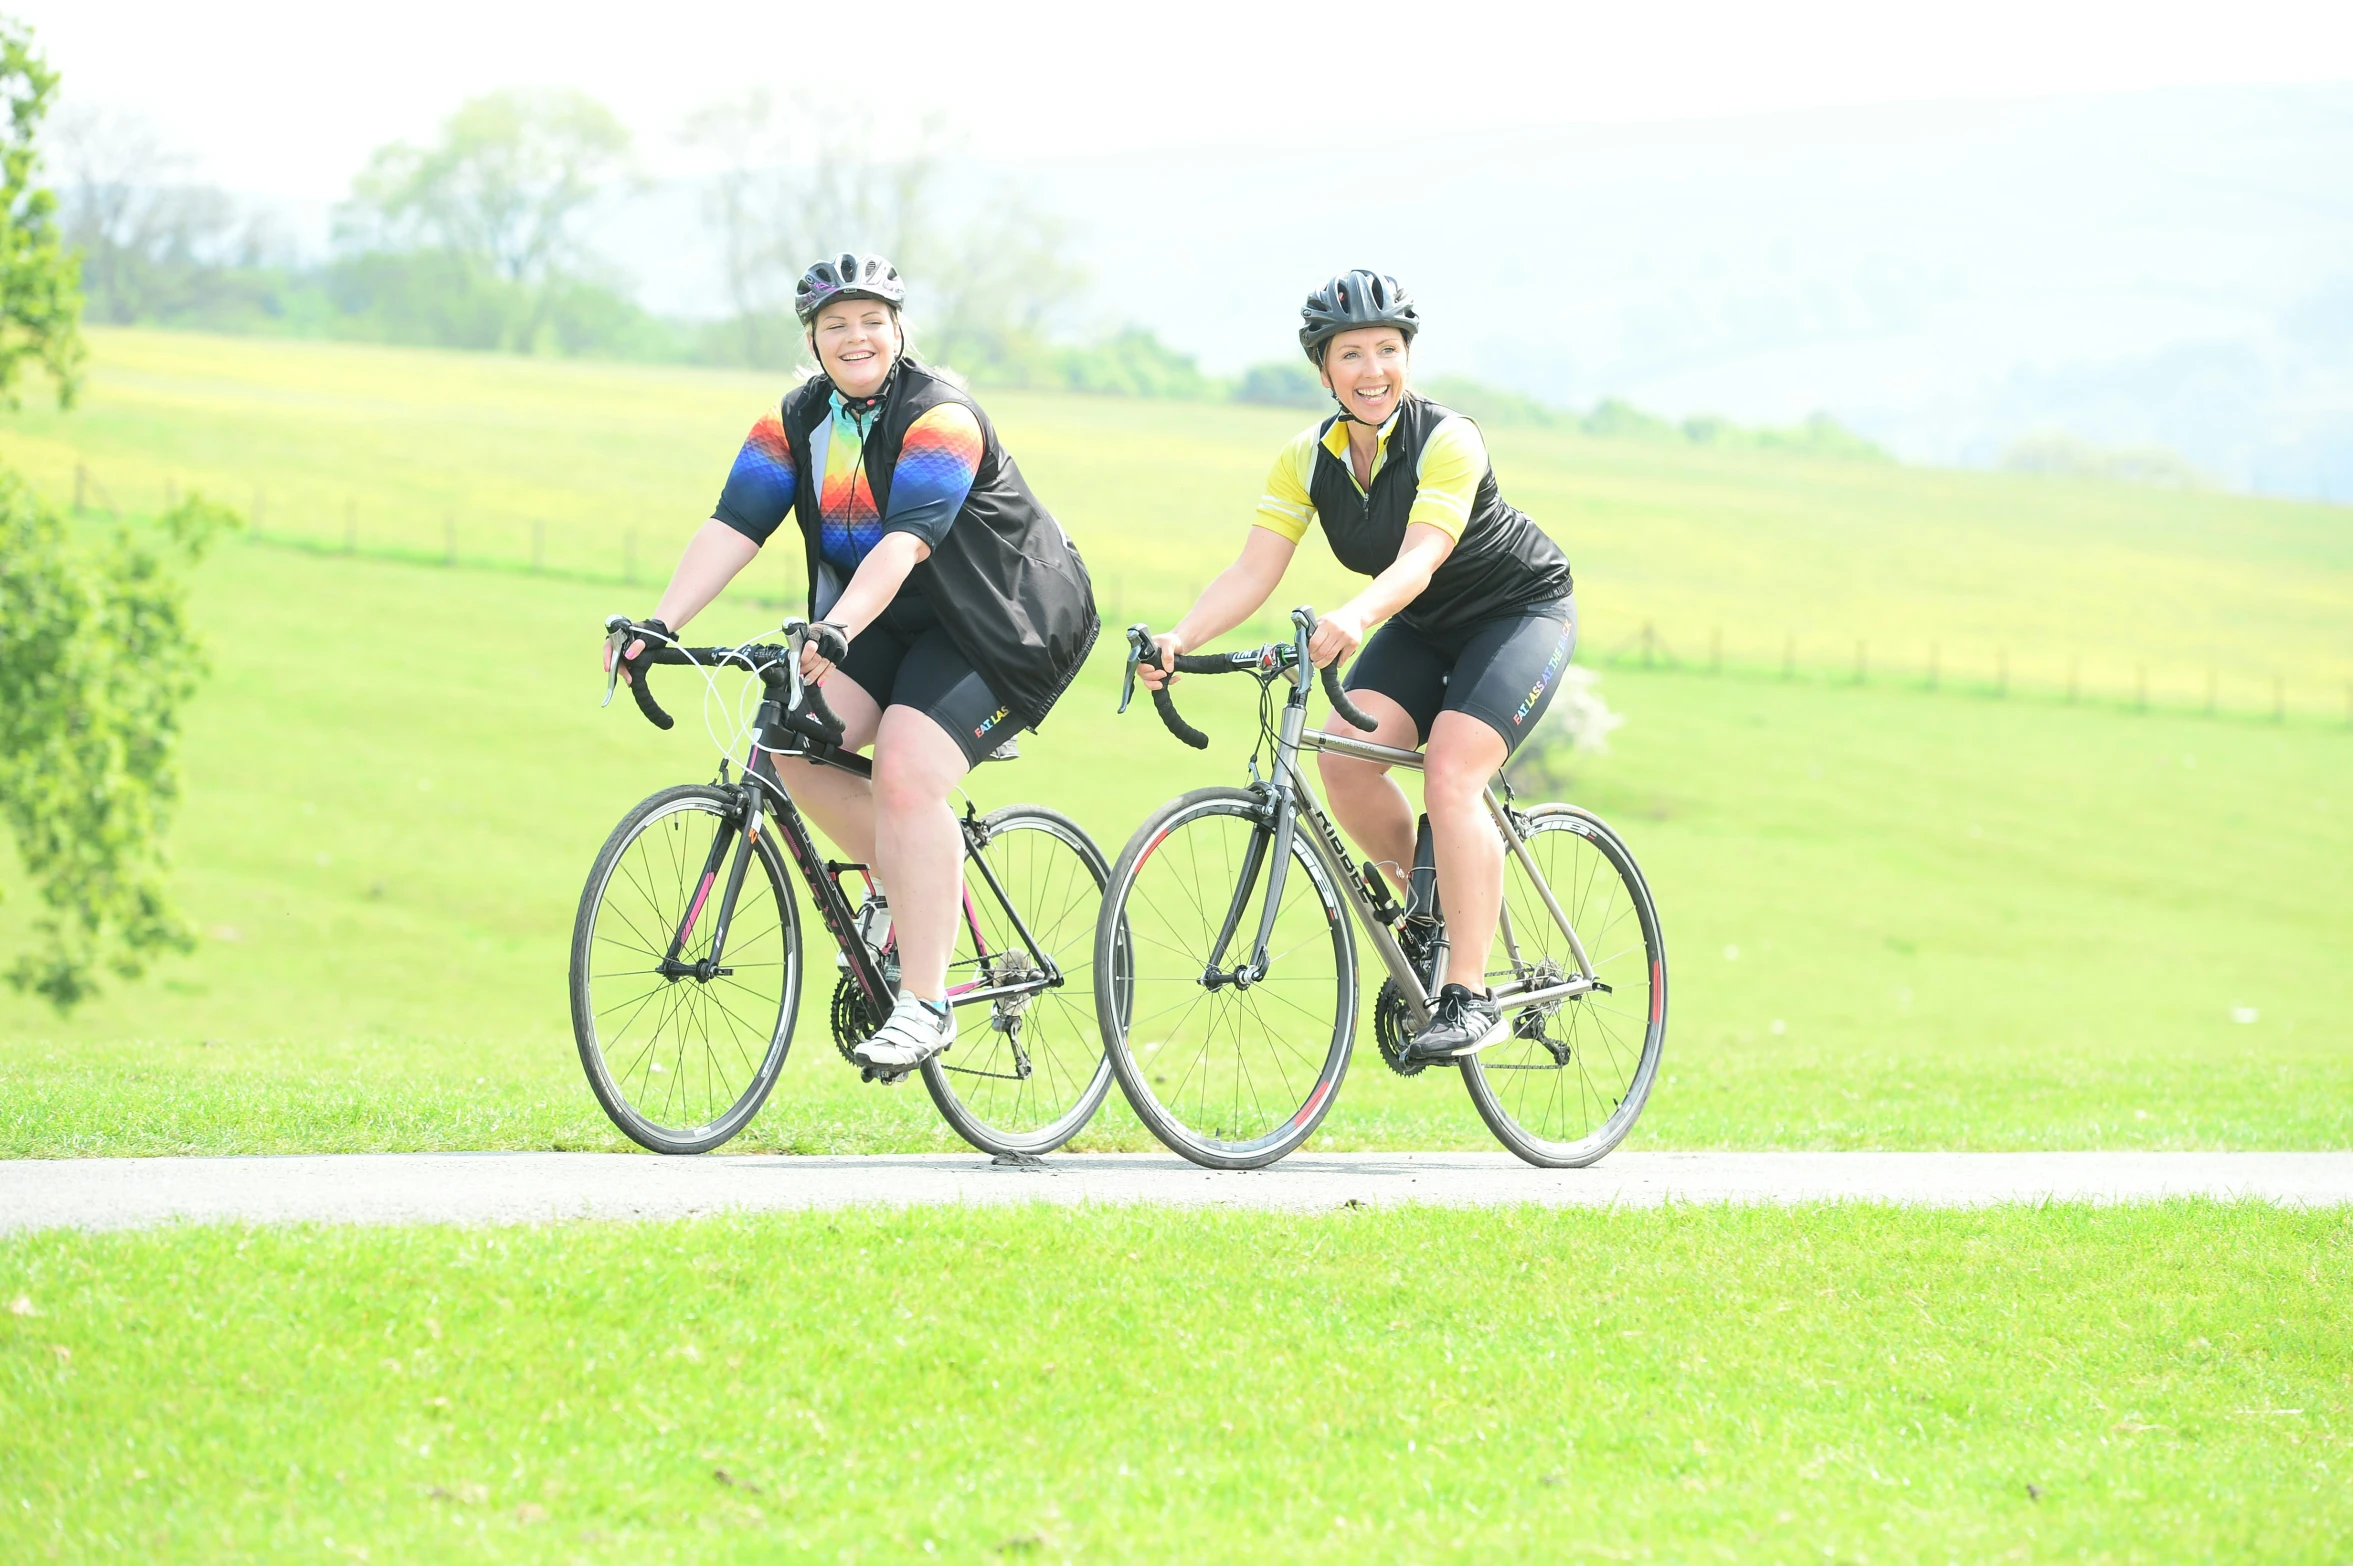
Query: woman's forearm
x=1425 y=549
x=713 y=556
x=877 y=581
x=1238 y=590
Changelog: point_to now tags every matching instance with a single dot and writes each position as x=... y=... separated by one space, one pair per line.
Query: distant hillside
x=1760 y=552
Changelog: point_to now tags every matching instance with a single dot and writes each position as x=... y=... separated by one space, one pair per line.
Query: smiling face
x=857 y=340
x=1365 y=370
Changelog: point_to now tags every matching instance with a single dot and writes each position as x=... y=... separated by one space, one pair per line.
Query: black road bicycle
x=1225 y=958
x=686 y=955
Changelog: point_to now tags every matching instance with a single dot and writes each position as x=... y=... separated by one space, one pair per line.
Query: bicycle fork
x=708 y=967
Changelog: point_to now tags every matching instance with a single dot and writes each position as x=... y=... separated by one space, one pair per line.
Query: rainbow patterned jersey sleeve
x=758 y=495
x=937 y=463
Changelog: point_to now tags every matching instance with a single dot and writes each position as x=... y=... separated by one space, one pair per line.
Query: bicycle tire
x=1058 y=896
x=605 y=1020
x=1521 y=1086
x=1152 y=942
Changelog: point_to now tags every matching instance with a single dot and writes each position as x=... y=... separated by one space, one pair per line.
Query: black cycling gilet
x=1502 y=562
x=1006 y=581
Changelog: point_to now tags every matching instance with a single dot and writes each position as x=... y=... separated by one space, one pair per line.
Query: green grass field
x=1841 y=1384
x=1758 y=548
x=1895 y=918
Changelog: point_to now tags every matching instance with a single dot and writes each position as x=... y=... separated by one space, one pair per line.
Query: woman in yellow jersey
x=1473 y=604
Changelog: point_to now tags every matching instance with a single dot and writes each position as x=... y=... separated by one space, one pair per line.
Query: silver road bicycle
x=1226 y=977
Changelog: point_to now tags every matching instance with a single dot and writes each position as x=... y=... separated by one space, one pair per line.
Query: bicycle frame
x=1294 y=799
x=762 y=790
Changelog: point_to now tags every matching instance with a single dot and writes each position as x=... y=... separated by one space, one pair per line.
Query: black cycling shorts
x=906 y=659
x=1503 y=670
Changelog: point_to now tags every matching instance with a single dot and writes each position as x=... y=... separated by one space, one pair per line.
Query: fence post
x=350 y=527
x=538 y=547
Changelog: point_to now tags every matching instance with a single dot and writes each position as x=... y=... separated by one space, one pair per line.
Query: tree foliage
x=40 y=302
x=154 y=245
x=500 y=194
x=99 y=662
x=801 y=177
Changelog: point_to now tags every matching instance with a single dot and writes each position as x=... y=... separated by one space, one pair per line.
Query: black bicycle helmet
x=847 y=276
x=1352 y=300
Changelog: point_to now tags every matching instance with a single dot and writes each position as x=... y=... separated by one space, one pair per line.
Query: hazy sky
x=288 y=99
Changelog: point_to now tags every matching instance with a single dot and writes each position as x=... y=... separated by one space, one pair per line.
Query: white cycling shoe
x=908 y=1037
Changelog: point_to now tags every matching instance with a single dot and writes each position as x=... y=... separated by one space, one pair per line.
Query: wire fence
x=1925 y=664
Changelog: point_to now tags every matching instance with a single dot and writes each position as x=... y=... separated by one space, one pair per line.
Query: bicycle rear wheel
x=681 y=1062
x=1569 y=1082
x=1027 y=1072
x=1232 y=1077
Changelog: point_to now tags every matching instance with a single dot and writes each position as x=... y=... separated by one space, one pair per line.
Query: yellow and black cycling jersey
x=1429 y=466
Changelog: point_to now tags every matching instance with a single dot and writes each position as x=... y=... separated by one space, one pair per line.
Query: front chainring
x=855 y=1018
x=1389 y=1031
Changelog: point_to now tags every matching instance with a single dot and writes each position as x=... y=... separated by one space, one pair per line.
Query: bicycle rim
x=681 y=1064
x=1027 y=1072
x=1569 y=1081
x=1232 y=1077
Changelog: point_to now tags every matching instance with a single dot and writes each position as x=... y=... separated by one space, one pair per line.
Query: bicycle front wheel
x=1568 y=1083
x=682 y=1060
x=1232 y=1075
x=1027 y=1070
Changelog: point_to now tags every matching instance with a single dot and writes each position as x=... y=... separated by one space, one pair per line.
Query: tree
x=40 y=301
x=803 y=177
x=99 y=660
x=153 y=245
x=503 y=188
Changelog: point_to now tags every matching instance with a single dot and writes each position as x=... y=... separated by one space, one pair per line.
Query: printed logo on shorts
x=1560 y=652
x=994 y=719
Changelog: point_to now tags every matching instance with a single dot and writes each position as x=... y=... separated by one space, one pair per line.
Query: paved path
x=117 y=1193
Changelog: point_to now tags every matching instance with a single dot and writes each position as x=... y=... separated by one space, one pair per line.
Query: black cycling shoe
x=1465 y=1022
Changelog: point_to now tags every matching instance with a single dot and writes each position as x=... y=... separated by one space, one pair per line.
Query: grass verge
x=1847 y=1383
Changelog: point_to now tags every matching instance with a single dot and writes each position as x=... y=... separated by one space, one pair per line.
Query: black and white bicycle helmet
x=847 y=276
x=1351 y=300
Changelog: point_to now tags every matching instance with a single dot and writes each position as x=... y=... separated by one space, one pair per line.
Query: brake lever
x=796 y=634
x=1138 y=638
x=615 y=641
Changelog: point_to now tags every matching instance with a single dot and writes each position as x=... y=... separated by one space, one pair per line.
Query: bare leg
x=1463 y=754
x=918 y=846
x=1365 y=800
x=841 y=805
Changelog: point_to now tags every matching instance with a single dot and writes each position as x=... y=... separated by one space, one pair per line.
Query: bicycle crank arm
x=1508 y=995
